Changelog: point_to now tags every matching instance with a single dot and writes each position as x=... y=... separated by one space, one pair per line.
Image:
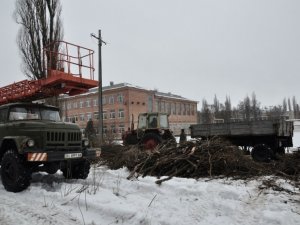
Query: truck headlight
x=86 y=143
x=30 y=143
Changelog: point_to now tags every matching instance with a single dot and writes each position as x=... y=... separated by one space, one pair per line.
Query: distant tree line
x=247 y=110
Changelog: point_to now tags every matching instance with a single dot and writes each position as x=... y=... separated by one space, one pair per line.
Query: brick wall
x=121 y=102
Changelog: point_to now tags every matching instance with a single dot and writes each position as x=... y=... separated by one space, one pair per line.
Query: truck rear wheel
x=81 y=170
x=77 y=171
x=262 y=153
x=14 y=174
x=150 y=141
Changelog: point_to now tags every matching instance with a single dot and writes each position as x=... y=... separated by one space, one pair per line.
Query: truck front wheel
x=14 y=174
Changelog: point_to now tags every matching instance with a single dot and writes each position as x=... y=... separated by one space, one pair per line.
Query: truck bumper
x=55 y=156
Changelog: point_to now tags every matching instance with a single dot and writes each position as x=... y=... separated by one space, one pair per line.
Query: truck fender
x=19 y=143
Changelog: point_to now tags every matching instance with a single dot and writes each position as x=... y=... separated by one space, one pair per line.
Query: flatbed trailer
x=266 y=137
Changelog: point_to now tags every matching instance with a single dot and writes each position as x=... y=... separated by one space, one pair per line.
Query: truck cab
x=33 y=138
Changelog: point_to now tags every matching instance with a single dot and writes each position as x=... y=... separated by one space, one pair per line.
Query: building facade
x=122 y=103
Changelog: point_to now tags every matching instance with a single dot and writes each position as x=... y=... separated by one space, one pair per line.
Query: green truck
x=33 y=138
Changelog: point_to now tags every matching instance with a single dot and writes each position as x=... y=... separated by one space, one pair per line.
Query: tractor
x=152 y=130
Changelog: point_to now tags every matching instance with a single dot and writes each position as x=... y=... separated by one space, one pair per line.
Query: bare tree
x=275 y=112
x=205 y=113
x=289 y=105
x=255 y=107
x=245 y=108
x=228 y=110
x=41 y=26
x=284 y=105
x=216 y=107
x=295 y=108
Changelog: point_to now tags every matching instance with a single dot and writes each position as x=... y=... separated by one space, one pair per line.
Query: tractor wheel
x=150 y=141
x=15 y=176
x=262 y=153
x=130 y=139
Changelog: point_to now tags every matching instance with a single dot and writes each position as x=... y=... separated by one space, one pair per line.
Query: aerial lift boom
x=66 y=74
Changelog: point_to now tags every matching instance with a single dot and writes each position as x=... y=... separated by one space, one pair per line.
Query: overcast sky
x=194 y=48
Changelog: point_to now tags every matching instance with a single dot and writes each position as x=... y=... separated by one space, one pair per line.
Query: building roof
x=113 y=86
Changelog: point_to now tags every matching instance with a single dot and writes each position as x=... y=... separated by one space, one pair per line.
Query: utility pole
x=100 y=105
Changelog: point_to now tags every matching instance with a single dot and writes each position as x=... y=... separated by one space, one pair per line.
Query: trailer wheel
x=150 y=141
x=262 y=153
x=281 y=151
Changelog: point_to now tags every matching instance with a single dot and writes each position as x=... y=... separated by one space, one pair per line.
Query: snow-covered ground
x=107 y=197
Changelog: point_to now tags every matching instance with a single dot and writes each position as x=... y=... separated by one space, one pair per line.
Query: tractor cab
x=153 y=121
x=152 y=129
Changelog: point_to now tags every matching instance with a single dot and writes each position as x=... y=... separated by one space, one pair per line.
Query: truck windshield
x=33 y=113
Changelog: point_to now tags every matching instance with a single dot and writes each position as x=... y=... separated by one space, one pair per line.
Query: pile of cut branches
x=118 y=156
x=196 y=159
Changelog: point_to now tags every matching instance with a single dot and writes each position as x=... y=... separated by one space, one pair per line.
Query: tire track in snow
x=14 y=211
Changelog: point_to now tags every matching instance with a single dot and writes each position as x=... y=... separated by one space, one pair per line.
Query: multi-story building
x=122 y=103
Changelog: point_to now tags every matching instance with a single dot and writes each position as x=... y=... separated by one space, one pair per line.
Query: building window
x=112 y=114
x=69 y=106
x=81 y=117
x=163 y=107
x=96 y=115
x=104 y=101
x=157 y=106
x=121 y=113
x=113 y=129
x=121 y=128
x=72 y=119
x=88 y=116
x=178 y=109
x=168 y=107
x=150 y=103
x=88 y=103
x=120 y=98
x=183 y=108
x=173 y=106
x=105 y=129
x=75 y=106
x=95 y=101
x=111 y=99
x=81 y=104
x=104 y=114
x=188 y=109
x=192 y=110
